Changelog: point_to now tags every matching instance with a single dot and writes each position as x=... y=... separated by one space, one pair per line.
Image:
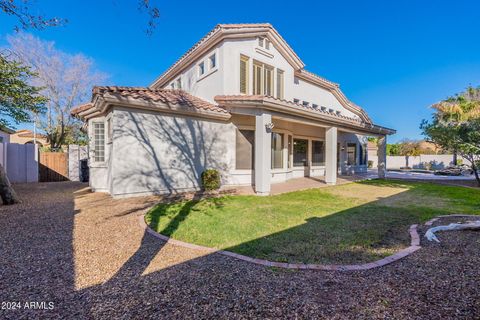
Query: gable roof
x=246 y=30
x=176 y=101
x=229 y=31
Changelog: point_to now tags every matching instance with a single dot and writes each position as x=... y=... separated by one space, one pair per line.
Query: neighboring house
x=26 y=136
x=239 y=101
x=5 y=134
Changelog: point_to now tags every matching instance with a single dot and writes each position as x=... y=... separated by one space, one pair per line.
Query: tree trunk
x=406 y=161
x=6 y=191
x=475 y=171
x=455 y=158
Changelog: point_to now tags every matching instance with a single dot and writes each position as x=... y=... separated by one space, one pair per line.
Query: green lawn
x=352 y=223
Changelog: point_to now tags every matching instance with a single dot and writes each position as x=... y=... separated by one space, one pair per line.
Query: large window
x=244 y=74
x=318 y=153
x=363 y=154
x=245 y=146
x=262 y=79
x=277 y=150
x=99 y=141
x=300 y=147
x=280 y=84
x=351 y=154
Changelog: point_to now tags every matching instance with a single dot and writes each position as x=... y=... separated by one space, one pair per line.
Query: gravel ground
x=86 y=253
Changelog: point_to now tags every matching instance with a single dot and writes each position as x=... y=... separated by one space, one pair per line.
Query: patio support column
x=263 y=153
x=382 y=156
x=331 y=155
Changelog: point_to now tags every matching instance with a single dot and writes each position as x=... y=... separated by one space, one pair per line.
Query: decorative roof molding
x=288 y=107
x=228 y=31
x=334 y=88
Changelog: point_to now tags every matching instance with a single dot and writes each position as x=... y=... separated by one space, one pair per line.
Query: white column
x=331 y=155
x=263 y=153
x=382 y=156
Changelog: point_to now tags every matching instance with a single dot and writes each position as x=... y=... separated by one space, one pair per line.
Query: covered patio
x=291 y=145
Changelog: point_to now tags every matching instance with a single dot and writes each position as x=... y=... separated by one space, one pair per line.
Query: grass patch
x=352 y=223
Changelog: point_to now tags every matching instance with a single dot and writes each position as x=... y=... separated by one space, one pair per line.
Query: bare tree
x=23 y=10
x=66 y=80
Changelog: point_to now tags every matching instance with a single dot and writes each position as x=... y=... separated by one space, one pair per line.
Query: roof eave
x=106 y=101
x=290 y=108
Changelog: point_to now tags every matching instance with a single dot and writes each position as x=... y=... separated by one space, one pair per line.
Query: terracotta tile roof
x=221 y=28
x=221 y=99
x=25 y=133
x=331 y=116
x=167 y=96
x=76 y=110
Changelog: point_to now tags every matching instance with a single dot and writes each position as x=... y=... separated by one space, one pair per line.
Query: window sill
x=203 y=76
x=265 y=53
x=98 y=165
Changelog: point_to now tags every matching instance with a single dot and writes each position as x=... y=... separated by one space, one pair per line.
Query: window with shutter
x=244 y=74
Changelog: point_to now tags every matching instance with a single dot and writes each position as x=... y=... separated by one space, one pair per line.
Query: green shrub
x=211 y=179
x=370 y=163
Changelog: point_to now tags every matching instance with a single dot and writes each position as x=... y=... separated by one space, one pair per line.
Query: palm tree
x=460 y=108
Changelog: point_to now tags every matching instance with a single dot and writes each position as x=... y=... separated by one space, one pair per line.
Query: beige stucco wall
x=15 y=138
x=161 y=153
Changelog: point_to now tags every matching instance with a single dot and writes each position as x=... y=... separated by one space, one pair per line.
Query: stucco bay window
x=351 y=154
x=99 y=141
x=244 y=150
x=300 y=155
x=262 y=79
x=277 y=150
x=318 y=153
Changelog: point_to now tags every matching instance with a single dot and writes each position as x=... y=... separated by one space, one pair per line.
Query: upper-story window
x=244 y=74
x=262 y=79
x=280 y=84
x=264 y=43
x=201 y=69
x=179 y=83
x=213 y=61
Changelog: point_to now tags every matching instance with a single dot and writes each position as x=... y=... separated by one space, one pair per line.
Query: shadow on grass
x=338 y=233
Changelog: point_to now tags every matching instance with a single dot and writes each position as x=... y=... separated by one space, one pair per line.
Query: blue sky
x=394 y=58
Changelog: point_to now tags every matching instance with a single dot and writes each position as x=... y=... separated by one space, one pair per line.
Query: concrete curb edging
x=414 y=246
x=431 y=221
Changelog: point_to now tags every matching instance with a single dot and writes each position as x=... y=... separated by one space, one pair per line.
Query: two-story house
x=240 y=101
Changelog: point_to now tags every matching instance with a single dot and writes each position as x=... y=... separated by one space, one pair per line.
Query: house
x=25 y=136
x=5 y=133
x=239 y=101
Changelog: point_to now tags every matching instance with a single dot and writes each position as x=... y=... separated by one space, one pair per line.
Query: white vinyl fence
x=20 y=161
x=436 y=161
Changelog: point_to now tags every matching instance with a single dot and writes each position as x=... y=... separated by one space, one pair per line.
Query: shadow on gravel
x=37 y=265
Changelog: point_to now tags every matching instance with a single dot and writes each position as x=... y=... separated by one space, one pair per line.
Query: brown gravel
x=86 y=253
